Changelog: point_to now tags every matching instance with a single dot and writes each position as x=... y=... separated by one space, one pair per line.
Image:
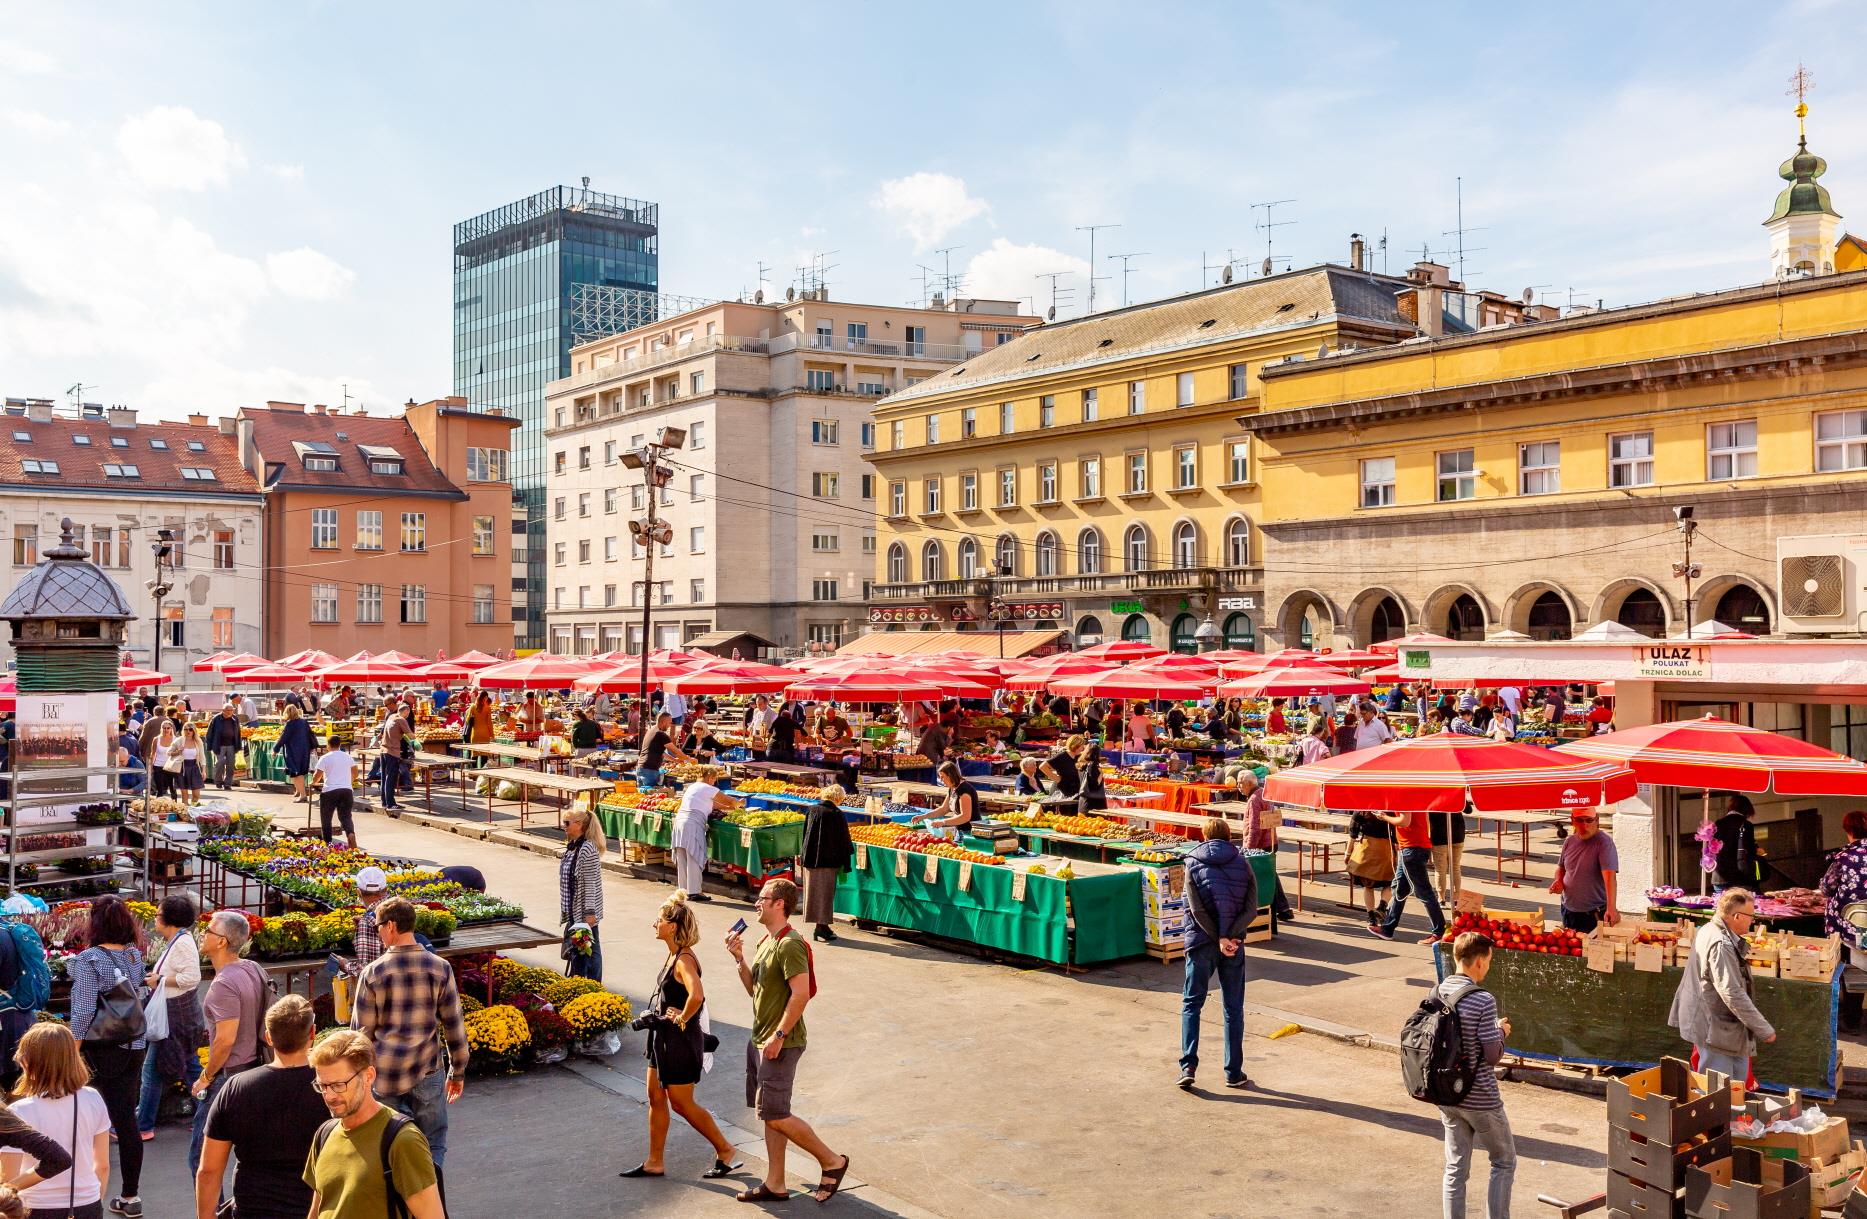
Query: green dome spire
x=1803 y=195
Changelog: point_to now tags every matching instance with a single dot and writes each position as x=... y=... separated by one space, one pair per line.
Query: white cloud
x=308 y=275
x=927 y=206
x=287 y=173
x=25 y=60
x=1005 y=271
x=32 y=123
x=172 y=147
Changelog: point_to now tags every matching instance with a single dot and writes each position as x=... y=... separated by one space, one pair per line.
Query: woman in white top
x=173 y=1059
x=1503 y=726
x=1140 y=728
x=168 y=745
x=53 y=1099
x=699 y=801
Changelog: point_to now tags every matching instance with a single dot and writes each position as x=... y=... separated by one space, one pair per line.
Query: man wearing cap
x=372 y=887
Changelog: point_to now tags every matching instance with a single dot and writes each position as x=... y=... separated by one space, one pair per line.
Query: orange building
x=384 y=532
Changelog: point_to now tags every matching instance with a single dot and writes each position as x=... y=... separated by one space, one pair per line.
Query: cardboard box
x=1668 y=1104
x=1514 y=916
x=1828 y=1142
x=1638 y=1200
x=1658 y=1164
x=1156 y=906
x=1168 y=881
x=1748 y=1185
x=1834 y=1179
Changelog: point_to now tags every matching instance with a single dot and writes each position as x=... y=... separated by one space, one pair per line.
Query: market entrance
x=1183 y=638
x=1241 y=634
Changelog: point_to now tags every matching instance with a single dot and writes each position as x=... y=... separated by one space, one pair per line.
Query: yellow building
x=1528 y=478
x=1091 y=475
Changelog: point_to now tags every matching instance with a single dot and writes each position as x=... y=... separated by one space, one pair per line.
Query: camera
x=646 y=1021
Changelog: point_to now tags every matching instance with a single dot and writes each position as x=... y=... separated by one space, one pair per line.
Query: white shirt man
x=1512 y=697
x=249 y=710
x=1372 y=730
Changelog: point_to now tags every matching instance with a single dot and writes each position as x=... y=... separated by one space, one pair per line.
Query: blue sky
x=206 y=206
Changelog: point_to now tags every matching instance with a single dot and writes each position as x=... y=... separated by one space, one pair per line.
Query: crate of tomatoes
x=1519 y=934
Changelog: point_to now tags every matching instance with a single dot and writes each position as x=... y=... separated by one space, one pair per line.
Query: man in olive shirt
x=345 y=1167
x=779 y=981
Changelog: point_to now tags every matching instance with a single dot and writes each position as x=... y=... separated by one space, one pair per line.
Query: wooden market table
x=424 y=765
x=1155 y=816
x=1308 y=843
x=1523 y=823
x=564 y=785
x=489 y=750
x=791 y=772
x=467 y=940
x=1181 y=797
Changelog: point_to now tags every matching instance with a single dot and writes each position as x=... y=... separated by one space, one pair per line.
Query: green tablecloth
x=1559 y=1008
x=264 y=763
x=726 y=843
x=1107 y=909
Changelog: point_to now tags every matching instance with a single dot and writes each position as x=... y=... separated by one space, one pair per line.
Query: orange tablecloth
x=1181 y=797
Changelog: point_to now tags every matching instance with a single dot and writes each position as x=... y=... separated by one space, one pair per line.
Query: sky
x=208 y=206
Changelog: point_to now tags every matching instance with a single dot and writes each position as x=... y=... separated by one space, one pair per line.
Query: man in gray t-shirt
x=1585 y=875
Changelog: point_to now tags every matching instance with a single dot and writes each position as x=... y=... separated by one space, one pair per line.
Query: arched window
x=1135 y=626
x=933 y=563
x=1465 y=622
x=1306 y=632
x=1046 y=553
x=1183 y=640
x=1642 y=611
x=1134 y=548
x=1007 y=559
x=1185 y=545
x=1744 y=608
x=897 y=564
x=1549 y=617
x=1241 y=633
x=1090 y=626
x=968 y=558
x=1237 y=543
x=1387 y=621
x=1089 y=552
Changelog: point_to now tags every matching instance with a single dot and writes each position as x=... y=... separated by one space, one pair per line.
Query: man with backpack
x=1447 y=1053
x=1222 y=901
x=25 y=983
x=368 y=1161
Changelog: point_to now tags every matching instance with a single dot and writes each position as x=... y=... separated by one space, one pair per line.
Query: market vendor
x=1600 y=715
x=586 y=735
x=1029 y=783
x=1843 y=884
x=532 y=714
x=1060 y=767
x=700 y=802
x=832 y=729
x=1274 y=722
x=1737 y=844
x=1176 y=720
x=1140 y=733
x=699 y=740
x=960 y=808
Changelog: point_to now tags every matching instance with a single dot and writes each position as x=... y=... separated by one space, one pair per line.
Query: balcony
x=945 y=353
x=673 y=353
x=1168 y=579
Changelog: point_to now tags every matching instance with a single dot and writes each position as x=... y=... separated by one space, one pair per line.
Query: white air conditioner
x=1820 y=581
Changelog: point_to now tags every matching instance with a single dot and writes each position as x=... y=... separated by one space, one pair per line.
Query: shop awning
x=984 y=643
x=747 y=643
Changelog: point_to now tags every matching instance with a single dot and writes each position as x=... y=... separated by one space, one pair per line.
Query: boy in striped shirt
x=1479 y=1118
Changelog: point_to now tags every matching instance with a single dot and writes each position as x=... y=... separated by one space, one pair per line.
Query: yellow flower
x=563 y=990
x=498 y=1032
x=595 y=1013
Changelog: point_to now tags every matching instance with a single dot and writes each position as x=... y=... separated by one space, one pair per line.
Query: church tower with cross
x=1804 y=226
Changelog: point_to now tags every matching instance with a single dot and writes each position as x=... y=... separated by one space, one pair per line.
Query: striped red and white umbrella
x=363 y=671
x=626 y=676
x=1293 y=683
x=445 y=670
x=1355 y=658
x=309 y=659
x=1715 y=753
x=1119 y=650
x=238 y=660
x=267 y=675
x=474 y=660
x=1065 y=665
x=211 y=664
x=359 y=657
x=539 y=671
x=731 y=679
x=1125 y=682
x=1442 y=773
x=133 y=677
x=866 y=686
x=406 y=659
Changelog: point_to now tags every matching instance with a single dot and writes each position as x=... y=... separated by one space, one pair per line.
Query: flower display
x=469 y=1005
x=549 y=1030
x=582 y=942
x=562 y=990
x=511 y=978
x=497 y=1039
x=597 y=1013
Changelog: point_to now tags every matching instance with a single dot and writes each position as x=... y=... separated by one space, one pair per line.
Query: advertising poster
x=63 y=732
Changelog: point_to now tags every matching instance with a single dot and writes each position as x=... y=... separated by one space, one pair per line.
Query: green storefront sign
x=1126 y=607
x=1416 y=658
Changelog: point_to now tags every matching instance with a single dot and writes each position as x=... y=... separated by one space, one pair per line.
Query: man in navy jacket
x=1222 y=901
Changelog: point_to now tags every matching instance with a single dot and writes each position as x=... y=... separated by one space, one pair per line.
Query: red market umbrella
x=211 y=664
x=1119 y=650
x=131 y=676
x=1065 y=666
x=406 y=659
x=627 y=676
x=1419 y=639
x=364 y=671
x=1178 y=660
x=267 y=675
x=1495 y=683
x=1127 y=683
x=874 y=686
x=731 y=679
x=474 y=660
x=241 y=660
x=1714 y=753
x=359 y=657
x=539 y=671
x=1292 y=683
x=1353 y=658
x=445 y=670
x=1441 y=773
x=307 y=660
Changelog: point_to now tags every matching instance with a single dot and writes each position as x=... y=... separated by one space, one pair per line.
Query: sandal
x=832 y=1181
x=721 y=1169
x=762 y=1193
x=641 y=1170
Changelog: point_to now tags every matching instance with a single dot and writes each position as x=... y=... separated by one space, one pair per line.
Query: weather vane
x=1799 y=85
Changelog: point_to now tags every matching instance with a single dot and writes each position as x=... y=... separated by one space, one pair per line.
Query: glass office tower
x=515 y=269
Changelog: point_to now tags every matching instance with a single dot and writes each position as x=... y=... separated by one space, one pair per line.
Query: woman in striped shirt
x=580 y=886
x=115 y=955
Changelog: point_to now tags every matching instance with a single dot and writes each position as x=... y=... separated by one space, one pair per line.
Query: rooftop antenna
x=1384 y=249
x=1270 y=227
x=1058 y=296
x=76 y=395
x=1458 y=234
x=758 y=285
x=1223 y=268
x=346 y=398
x=948 y=284
x=1125 y=272
x=925 y=271
x=1529 y=293
x=1092 y=230
x=586 y=181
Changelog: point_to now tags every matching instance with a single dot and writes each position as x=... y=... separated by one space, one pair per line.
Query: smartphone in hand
x=738 y=928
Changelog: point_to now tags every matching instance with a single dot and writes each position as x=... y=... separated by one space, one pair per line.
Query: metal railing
x=673 y=353
x=1217 y=579
x=843 y=345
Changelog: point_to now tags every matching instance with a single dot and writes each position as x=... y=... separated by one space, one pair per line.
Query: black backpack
x=397 y=1123
x=1433 y=1062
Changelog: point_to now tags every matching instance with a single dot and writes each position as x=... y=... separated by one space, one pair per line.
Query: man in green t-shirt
x=780 y=981
x=344 y=1169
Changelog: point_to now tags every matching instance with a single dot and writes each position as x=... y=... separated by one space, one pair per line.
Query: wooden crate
x=635 y=852
x=1809 y=958
x=1167 y=954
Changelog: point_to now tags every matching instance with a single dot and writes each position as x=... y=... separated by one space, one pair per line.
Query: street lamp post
x=651 y=533
x=164 y=548
x=1687 y=570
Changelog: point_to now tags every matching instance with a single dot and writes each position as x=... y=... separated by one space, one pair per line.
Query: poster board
x=63 y=732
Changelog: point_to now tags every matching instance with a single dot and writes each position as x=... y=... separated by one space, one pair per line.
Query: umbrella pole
x=1704 y=876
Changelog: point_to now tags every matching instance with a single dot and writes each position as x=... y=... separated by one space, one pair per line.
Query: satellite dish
x=1267 y=265
x=790 y=294
x=1225 y=277
x=1052 y=315
x=758 y=298
x=1529 y=294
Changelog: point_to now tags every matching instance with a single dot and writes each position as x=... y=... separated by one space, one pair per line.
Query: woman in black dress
x=676 y=1045
x=1094 y=795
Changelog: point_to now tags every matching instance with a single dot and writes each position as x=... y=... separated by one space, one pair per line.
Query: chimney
x=121 y=416
x=198 y=420
x=1357 y=252
x=39 y=410
x=317 y=408
x=285 y=406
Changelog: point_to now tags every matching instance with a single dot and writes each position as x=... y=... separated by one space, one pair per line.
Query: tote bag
x=156 y=1009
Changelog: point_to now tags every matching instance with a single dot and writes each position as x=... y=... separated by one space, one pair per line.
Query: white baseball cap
x=372 y=880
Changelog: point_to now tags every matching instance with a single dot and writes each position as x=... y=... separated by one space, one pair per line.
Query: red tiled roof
x=276 y=431
x=158 y=469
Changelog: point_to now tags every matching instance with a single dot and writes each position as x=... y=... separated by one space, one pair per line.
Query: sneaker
x=1241 y=1081
x=1186 y=1080
x=1375 y=929
x=1430 y=940
x=133 y=1207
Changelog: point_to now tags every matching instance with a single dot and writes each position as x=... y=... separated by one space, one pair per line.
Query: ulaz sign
x=1677 y=661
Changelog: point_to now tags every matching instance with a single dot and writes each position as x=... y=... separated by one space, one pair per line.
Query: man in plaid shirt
x=407 y=1004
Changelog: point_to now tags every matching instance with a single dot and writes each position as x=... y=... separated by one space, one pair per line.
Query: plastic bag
x=602 y=1045
x=556 y=1053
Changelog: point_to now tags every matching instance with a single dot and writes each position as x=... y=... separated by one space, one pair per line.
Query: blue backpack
x=34 y=988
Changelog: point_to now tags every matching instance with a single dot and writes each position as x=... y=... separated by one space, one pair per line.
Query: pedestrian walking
x=580 y=890
x=295 y=748
x=480 y=720
x=409 y=1008
x=395 y=743
x=107 y=996
x=190 y=780
x=1714 y=1007
x=52 y=1099
x=223 y=742
x=1585 y=874
x=781 y=981
x=366 y=1148
x=235 y=1006
x=699 y=801
x=827 y=851
x=1448 y=855
x=678 y=1050
x=1479 y=1117
x=1221 y=901
x=1416 y=856
x=337 y=775
x=176 y=1057
x=267 y=1118
x=165 y=759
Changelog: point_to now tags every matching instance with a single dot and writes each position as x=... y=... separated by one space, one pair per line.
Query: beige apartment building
x=773 y=505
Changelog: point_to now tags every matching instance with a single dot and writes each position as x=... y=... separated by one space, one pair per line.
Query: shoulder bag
x=156 y=1007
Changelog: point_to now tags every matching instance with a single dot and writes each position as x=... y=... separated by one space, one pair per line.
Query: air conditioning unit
x=1822 y=583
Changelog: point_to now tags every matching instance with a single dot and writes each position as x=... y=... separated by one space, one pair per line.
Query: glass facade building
x=515 y=270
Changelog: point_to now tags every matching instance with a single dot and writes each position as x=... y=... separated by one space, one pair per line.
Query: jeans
x=1490 y=1129
x=1583 y=921
x=148 y=1107
x=592 y=965
x=1411 y=878
x=426 y=1102
x=117 y=1074
x=1200 y=964
x=647 y=777
x=391 y=777
x=223 y=764
x=1737 y=1066
x=201 y=1107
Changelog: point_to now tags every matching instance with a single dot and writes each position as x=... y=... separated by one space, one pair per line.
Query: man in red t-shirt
x=1415 y=836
